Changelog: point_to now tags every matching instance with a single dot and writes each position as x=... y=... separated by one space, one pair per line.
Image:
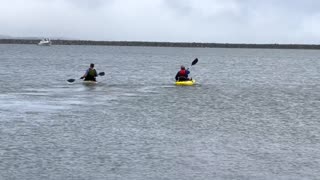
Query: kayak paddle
x=72 y=80
x=194 y=62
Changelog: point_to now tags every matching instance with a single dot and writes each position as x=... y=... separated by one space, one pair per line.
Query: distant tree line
x=163 y=44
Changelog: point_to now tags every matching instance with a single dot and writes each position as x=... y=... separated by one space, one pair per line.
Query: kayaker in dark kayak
x=182 y=75
x=90 y=74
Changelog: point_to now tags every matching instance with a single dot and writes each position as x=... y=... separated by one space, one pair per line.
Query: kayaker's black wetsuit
x=182 y=75
x=91 y=75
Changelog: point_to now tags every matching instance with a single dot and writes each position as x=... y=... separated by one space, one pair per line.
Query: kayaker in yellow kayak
x=182 y=75
x=90 y=74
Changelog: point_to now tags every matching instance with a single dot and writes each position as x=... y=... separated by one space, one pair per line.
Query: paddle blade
x=101 y=74
x=71 y=80
x=194 y=62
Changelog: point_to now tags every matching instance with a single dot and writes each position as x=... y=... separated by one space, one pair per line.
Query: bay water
x=253 y=113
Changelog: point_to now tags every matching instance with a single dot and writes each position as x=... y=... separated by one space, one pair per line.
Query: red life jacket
x=183 y=73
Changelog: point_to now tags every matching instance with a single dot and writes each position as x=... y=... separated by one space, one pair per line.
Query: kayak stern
x=185 y=83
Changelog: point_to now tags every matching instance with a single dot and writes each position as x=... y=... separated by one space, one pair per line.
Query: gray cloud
x=232 y=21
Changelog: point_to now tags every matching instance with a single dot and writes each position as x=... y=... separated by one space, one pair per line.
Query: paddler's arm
x=85 y=74
x=177 y=76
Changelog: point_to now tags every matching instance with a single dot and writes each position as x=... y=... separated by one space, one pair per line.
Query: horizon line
x=163 y=44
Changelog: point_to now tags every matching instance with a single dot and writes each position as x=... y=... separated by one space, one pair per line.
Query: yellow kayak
x=89 y=82
x=185 y=83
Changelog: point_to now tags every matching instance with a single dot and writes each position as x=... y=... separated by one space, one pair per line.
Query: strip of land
x=163 y=44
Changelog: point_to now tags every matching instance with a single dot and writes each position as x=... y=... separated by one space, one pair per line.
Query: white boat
x=45 y=42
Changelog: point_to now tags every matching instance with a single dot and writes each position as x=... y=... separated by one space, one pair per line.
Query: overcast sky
x=222 y=21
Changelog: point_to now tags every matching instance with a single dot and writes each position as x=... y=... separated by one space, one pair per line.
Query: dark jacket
x=182 y=76
x=91 y=75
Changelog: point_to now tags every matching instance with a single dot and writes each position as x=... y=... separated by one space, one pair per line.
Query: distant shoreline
x=163 y=44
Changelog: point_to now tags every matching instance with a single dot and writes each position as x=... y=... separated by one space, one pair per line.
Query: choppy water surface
x=254 y=114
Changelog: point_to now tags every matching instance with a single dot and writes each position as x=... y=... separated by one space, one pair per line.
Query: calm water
x=254 y=114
